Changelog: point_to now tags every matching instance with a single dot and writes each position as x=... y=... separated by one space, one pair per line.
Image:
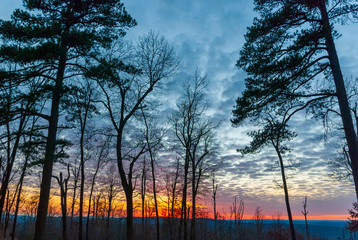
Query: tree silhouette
x=288 y=47
x=274 y=132
x=126 y=84
x=53 y=36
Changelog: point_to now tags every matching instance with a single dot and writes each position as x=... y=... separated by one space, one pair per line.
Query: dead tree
x=305 y=212
x=63 y=183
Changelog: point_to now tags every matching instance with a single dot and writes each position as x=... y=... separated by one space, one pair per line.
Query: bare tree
x=195 y=134
x=258 y=218
x=305 y=212
x=101 y=154
x=237 y=212
x=63 y=183
x=153 y=138
x=172 y=179
x=155 y=60
x=81 y=108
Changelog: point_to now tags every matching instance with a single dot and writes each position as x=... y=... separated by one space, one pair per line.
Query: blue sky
x=208 y=35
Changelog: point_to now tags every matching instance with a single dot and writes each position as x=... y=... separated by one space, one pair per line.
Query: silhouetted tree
x=30 y=152
x=258 y=219
x=215 y=189
x=80 y=107
x=290 y=45
x=53 y=35
x=153 y=138
x=101 y=155
x=305 y=212
x=17 y=101
x=195 y=135
x=274 y=132
x=63 y=183
x=126 y=88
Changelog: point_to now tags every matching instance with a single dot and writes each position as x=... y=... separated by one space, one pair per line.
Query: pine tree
x=51 y=39
x=288 y=47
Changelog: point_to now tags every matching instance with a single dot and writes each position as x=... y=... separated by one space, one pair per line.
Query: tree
x=153 y=138
x=112 y=191
x=143 y=191
x=101 y=154
x=215 y=189
x=80 y=109
x=63 y=183
x=17 y=101
x=172 y=179
x=274 y=132
x=288 y=47
x=352 y=225
x=30 y=152
x=126 y=87
x=54 y=35
x=238 y=212
x=75 y=170
x=259 y=222
x=305 y=213
x=340 y=164
x=195 y=135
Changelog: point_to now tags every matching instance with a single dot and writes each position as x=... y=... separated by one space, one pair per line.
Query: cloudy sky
x=208 y=35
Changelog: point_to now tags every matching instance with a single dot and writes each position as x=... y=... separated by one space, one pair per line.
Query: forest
x=105 y=137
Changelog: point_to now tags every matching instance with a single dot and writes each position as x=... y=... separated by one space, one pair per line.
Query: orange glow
x=119 y=208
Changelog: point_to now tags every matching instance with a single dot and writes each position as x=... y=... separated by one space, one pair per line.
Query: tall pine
x=288 y=47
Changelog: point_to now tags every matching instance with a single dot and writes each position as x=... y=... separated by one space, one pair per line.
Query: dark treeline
x=90 y=134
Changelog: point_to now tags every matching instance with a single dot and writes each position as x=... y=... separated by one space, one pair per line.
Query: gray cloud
x=208 y=35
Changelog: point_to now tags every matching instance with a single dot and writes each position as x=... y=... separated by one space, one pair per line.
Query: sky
x=208 y=35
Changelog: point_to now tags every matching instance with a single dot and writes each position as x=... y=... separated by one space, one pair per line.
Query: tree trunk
x=292 y=228
x=89 y=211
x=109 y=211
x=215 y=188
x=6 y=179
x=183 y=219
x=155 y=193
x=74 y=195
x=40 y=228
x=19 y=196
x=173 y=201
x=348 y=126
x=143 y=191
x=129 y=199
x=63 y=208
x=80 y=218
x=193 y=184
x=307 y=231
x=90 y=197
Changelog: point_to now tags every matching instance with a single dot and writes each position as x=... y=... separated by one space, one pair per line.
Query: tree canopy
x=288 y=49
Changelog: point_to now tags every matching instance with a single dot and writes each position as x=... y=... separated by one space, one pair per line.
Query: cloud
x=208 y=34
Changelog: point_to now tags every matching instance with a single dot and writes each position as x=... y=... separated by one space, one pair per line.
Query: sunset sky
x=208 y=35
